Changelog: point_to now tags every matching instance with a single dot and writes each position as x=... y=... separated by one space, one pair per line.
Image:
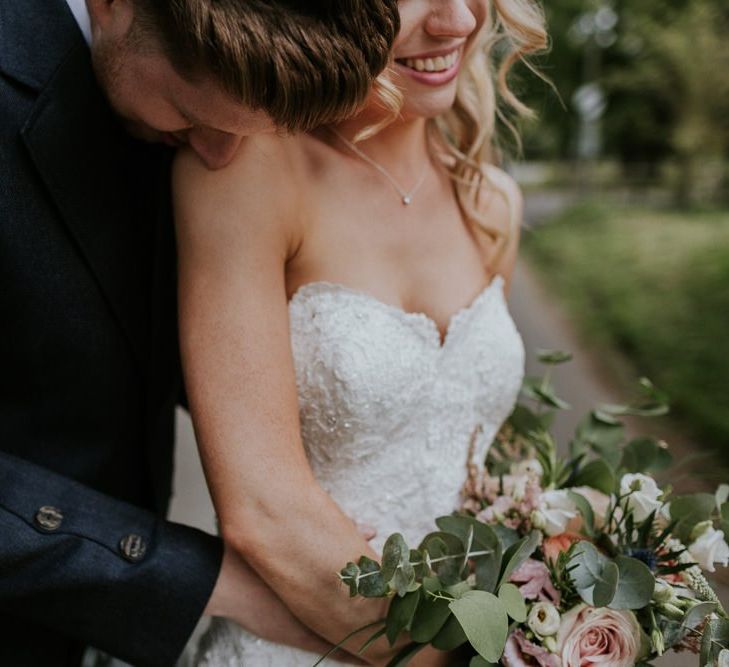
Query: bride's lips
x=434 y=68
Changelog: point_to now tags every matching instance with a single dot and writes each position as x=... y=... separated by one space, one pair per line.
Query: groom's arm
x=68 y=561
x=95 y=568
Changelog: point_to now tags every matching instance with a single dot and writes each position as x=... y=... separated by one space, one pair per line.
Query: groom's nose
x=215 y=148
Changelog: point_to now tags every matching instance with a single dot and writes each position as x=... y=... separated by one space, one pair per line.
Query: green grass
x=655 y=286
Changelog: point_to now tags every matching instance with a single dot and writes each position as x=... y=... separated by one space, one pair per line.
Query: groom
x=89 y=372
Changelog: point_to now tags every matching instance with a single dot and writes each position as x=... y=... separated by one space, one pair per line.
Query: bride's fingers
x=367 y=531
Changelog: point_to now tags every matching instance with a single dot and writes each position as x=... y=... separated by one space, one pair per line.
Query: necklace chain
x=405 y=195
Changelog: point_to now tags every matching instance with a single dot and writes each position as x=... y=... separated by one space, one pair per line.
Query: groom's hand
x=242 y=596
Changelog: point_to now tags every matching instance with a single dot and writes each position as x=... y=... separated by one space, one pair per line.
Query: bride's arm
x=235 y=235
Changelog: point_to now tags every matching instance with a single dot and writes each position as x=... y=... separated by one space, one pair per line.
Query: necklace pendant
x=407 y=200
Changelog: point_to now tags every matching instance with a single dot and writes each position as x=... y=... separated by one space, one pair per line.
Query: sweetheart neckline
x=442 y=337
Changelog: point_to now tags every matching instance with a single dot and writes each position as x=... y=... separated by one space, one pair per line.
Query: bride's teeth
x=438 y=64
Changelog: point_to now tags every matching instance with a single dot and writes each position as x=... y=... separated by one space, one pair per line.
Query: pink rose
x=534 y=581
x=599 y=636
x=520 y=652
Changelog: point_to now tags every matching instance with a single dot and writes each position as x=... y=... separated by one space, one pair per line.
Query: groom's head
x=207 y=72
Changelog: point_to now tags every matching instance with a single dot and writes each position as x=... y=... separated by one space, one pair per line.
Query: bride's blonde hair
x=465 y=138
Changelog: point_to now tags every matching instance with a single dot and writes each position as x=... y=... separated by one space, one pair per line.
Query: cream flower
x=601 y=636
x=555 y=511
x=709 y=548
x=644 y=494
x=544 y=619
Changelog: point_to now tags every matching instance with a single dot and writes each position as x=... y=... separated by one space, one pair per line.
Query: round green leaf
x=513 y=602
x=485 y=622
x=635 y=584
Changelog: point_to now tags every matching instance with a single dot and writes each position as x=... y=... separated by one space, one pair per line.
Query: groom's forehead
x=200 y=99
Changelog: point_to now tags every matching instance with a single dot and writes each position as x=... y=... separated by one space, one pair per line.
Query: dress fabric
x=388 y=414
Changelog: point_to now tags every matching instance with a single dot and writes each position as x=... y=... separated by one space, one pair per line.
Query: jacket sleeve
x=95 y=568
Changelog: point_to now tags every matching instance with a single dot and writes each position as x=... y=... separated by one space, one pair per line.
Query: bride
x=344 y=329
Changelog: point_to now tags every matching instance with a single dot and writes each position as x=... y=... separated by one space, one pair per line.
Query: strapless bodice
x=388 y=412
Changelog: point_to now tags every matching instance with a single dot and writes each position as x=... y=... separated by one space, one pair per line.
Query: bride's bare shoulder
x=258 y=190
x=502 y=204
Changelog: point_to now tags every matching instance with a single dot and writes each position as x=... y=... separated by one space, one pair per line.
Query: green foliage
x=715 y=639
x=513 y=602
x=620 y=583
x=653 y=286
x=483 y=618
x=690 y=510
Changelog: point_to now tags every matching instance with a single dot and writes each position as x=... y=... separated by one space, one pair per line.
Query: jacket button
x=48 y=518
x=133 y=548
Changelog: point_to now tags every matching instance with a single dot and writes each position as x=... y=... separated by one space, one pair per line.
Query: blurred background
x=626 y=174
x=625 y=258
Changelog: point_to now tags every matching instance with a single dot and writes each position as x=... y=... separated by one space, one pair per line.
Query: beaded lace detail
x=388 y=411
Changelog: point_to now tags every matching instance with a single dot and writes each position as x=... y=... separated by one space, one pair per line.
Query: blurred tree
x=670 y=90
x=667 y=84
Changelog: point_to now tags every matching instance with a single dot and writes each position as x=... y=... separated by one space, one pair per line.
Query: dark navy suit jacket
x=89 y=371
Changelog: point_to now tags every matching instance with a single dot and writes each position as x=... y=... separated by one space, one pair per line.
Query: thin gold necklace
x=405 y=195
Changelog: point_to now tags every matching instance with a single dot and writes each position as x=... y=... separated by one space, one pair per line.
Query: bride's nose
x=452 y=18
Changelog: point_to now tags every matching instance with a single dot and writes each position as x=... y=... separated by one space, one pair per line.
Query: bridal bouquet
x=561 y=562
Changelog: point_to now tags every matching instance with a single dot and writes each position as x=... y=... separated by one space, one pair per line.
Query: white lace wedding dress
x=387 y=415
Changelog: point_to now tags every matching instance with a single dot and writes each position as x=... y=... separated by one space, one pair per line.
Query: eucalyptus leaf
x=349 y=575
x=635 y=585
x=513 y=602
x=586 y=564
x=646 y=455
x=606 y=586
x=517 y=553
x=696 y=615
x=394 y=553
x=547 y=396
x=585 y=509
x=371 y=584
x=525 y=421
x=689 y=510
x=595 y=434
x=714 y=640
x=420 y=567
x=598 y=475
x=507 y=536
x=451 y=635
x=446 y=555
x=483 y=618
x=484 y=539
x=553 y=357
x=400 y=614
x=429 y=618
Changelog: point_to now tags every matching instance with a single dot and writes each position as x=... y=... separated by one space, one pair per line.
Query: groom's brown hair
x=304 y=62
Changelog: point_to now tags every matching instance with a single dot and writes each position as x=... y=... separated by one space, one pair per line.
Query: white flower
x=710 y=548
x=530 y=467
x=556 y=510
x=663 y=592
x=644 y=494
x=544 y=619
x=723 y=660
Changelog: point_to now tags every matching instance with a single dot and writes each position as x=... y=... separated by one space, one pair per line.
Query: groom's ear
x=111 y=19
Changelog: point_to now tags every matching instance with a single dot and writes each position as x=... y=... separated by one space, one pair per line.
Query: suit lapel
x=97 y=178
